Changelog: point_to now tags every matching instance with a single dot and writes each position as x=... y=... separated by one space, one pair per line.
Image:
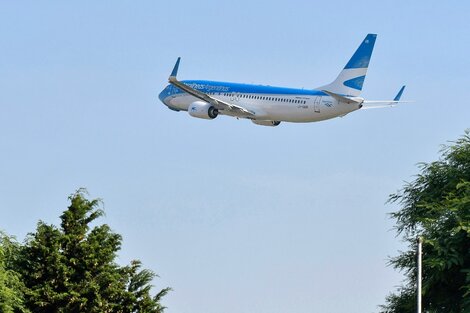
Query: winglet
x=175 y=69
x=398 y=96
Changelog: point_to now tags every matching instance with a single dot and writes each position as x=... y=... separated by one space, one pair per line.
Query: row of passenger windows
x=265 y=98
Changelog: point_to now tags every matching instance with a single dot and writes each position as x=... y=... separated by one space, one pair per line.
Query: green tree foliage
x=71 y=268
x=11 y=286
x=436 y=205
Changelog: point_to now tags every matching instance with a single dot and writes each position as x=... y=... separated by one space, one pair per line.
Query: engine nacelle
x=266 y=123
x=202 y=109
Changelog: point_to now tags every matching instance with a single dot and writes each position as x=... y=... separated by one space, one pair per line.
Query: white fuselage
x=268 y=103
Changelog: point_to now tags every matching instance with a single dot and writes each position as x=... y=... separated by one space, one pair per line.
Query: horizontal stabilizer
x=341 y=98
x=381 y=104
x=368 y=106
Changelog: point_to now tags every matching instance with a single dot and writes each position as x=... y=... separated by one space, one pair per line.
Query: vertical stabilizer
x=349 y=82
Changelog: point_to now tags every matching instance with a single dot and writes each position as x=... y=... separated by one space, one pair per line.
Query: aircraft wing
x=384 y=103
x=230 y=109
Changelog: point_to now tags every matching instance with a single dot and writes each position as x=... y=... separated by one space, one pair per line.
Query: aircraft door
x=316 y=104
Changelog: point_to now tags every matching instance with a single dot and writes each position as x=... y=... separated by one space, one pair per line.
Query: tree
x=71 y=268
x=11 y=287
x=436 y=205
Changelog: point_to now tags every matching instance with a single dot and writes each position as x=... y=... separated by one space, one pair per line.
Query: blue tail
x=351 y=79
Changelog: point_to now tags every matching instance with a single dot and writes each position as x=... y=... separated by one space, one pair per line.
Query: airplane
x=269 y=106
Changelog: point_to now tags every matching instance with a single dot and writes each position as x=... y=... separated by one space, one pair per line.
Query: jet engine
x=266 y=123
x=203 y=110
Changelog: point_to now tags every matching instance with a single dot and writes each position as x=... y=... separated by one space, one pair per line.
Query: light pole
x=419 y=257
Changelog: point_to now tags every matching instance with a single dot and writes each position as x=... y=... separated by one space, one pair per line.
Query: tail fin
x=349 y=82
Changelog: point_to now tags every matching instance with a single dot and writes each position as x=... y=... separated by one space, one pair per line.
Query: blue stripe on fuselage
x=225 y=87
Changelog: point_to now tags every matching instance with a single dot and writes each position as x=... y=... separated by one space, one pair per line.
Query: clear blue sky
x=235 y=217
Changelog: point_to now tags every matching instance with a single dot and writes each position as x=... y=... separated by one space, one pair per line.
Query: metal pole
x=420 y=253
